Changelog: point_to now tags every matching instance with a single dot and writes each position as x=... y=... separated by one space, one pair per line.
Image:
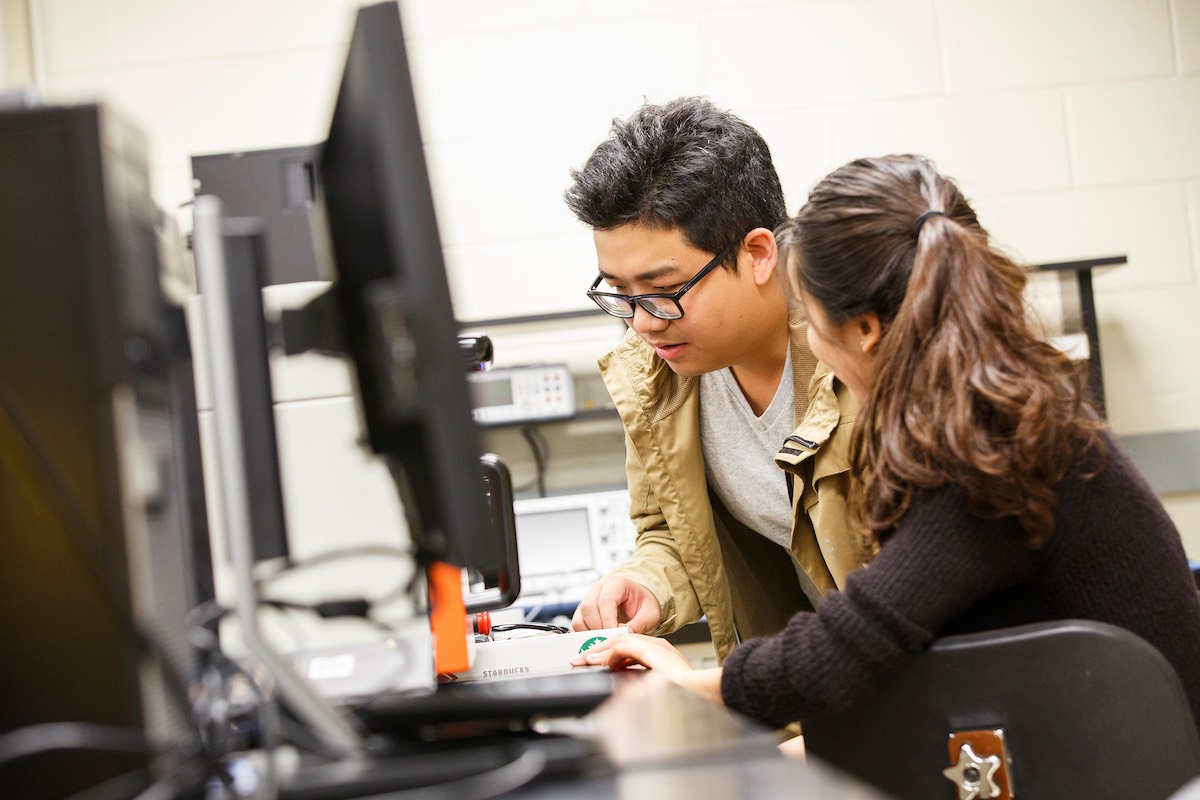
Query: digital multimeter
x=522 y=394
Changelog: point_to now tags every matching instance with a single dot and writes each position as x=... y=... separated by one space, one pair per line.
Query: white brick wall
x=1029 y=43
x=1073 y=124
x=5 y=78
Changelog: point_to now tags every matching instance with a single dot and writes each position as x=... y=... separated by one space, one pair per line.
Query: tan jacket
x=692 y=555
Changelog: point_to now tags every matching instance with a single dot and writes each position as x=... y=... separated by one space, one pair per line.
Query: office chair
x=1043 y=712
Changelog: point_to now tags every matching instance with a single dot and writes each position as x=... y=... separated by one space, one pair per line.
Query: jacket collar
x=814 y=430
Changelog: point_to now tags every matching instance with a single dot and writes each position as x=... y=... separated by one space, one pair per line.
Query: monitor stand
x=211 y=236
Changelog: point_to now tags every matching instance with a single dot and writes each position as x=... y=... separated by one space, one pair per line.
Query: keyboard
x=570 y=693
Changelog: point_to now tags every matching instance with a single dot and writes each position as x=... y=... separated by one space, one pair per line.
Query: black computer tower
x=102 y=532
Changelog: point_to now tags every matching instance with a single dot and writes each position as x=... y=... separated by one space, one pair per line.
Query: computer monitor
x=393 y=299
x=277 y=186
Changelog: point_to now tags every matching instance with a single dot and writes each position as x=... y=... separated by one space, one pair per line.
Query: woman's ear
x=870 y=331
x=764 y=253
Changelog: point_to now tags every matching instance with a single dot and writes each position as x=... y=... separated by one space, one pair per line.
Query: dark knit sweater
x=1114 y=556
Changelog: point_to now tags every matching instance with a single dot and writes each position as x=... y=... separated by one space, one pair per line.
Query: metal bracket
x=981 y=768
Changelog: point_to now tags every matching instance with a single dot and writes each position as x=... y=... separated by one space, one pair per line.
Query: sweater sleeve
x=937 y=564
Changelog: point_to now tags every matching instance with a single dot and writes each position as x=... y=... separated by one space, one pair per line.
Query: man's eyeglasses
x=661 y=305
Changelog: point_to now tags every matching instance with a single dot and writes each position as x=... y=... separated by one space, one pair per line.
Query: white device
x=354 y=672
x=522 y=394
x=539 y=654
x=566 y=543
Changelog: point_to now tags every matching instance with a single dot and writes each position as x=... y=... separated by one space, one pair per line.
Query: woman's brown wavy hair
x=964 y=392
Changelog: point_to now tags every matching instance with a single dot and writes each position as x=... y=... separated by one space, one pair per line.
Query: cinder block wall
x=1072 y=124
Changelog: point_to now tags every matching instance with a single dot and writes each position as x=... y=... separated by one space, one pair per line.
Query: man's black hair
x=683 y=164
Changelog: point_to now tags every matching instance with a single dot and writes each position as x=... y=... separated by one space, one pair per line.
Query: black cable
x=266 y=708
x=540 y=449
x=545 y=442
x=273 y=727
x=53 y=736
x=534 y=626
x=519 y=772
x=336 y=555
x=273 y=724
x=342 y=608
x=351 y=606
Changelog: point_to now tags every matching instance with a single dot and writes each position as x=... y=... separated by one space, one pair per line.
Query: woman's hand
x=633 y=650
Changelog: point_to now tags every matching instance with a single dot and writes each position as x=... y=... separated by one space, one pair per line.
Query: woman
x=994 y=494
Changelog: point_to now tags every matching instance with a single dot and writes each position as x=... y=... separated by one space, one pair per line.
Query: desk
x=649 y=739
x=659 y=741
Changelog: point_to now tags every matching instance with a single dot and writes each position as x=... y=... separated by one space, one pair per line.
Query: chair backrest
x=1087 y=709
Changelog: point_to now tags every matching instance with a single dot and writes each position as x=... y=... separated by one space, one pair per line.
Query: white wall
x=13 y=42
x=5 y=80
x=1072 y=124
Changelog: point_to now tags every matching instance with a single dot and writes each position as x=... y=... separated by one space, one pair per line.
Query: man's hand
x=614 y=601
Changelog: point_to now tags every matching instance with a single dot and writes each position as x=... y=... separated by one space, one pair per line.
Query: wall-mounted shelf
x=582 y=415
x=1076 y=293
x=557 y=316
x=1075 y=281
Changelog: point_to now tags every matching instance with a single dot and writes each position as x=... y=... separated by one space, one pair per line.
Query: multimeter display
x=492 y=394
x=522 y=394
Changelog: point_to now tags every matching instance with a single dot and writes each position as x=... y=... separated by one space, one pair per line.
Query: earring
x=863 y=345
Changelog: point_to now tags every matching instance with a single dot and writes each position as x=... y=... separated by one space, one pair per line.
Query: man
x=715 y=383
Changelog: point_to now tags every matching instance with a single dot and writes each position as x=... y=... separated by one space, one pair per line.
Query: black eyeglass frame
x=632 y=301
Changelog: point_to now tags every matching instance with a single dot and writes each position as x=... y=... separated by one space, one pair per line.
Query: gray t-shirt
x=739 y=451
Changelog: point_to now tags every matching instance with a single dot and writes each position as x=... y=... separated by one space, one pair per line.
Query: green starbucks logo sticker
x=592 y=642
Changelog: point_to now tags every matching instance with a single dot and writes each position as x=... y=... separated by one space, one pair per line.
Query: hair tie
x=916 y=229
